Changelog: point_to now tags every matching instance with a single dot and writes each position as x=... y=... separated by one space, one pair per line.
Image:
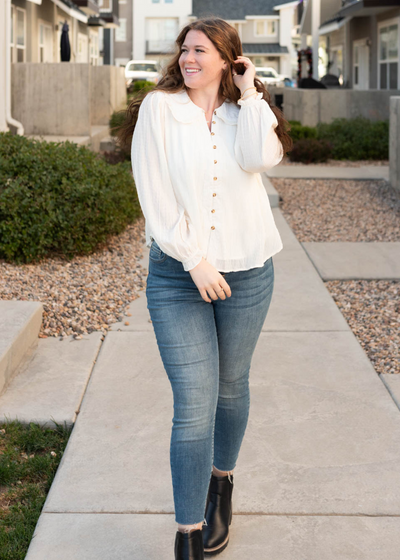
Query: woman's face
x=200 y=62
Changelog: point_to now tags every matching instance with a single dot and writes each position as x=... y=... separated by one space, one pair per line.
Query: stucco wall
x=313 y=106
x=65 y=99
x=108 y=92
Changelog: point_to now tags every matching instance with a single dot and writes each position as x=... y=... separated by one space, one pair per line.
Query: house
x=36 y=27
x=358 y=40
x=156 y=24
x=268 y=29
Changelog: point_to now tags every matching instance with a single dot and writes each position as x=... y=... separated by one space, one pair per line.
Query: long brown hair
x=226 y=40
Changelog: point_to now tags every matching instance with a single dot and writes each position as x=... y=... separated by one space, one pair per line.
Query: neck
x=206 y=99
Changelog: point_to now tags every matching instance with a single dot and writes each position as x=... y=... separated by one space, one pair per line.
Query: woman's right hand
x=209 y=281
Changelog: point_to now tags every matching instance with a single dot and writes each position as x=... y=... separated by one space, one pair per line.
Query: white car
x=141 y=70
x=269 y=76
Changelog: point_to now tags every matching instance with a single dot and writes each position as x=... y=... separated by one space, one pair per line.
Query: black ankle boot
x=189 y=546
x=218 y=514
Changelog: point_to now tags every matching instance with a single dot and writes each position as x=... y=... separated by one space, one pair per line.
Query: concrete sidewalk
x=376 y=260
x=313 y=171
x=318 y=476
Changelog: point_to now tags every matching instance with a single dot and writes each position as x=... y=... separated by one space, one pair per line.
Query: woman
x=200 y=140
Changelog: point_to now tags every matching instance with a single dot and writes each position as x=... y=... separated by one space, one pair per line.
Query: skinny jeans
x=206 y=349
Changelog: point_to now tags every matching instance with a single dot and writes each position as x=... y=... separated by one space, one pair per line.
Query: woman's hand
x=246 y=80
x=209 y=281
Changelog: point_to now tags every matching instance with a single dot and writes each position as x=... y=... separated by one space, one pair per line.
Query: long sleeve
x=257 y=146
x=167 y=220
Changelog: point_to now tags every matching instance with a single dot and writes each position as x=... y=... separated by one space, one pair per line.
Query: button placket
x=215 y=177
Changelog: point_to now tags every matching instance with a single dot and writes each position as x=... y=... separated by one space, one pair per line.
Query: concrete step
x=19 y=328
x=49 y=387
x=97 y=133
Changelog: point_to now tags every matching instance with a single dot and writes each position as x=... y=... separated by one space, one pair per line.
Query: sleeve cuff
x=251 y=100
x=192 y=262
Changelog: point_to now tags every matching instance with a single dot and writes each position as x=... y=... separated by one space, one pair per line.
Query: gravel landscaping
x=337 y=163
x=372 y=310
x=339 y=210
x=85 y=294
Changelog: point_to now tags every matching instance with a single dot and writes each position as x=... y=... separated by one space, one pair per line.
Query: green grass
x=29 y=458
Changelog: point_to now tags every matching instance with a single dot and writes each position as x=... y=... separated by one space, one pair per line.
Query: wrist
x=246 y=86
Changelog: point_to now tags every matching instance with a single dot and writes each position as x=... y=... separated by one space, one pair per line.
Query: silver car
x=269 y=76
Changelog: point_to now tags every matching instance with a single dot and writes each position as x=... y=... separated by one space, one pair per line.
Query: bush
x=351 y=139
x=137 y=86
x=298 y=132
x=59 y=199
x=310 y=150
x=358 y=138
x=116 y=121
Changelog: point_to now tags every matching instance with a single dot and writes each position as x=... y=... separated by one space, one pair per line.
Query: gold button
x=214 y=147
x=215 y=112
x=215 y=161
x=214 y=194
x=212 y=133
x=212 y=227
x=213 y=122
x=215 y=178
x=213 y=211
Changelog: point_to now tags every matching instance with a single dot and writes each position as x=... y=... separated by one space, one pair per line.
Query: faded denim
x=206 y=349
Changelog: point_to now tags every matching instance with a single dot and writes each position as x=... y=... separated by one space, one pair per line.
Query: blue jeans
x=206 y=349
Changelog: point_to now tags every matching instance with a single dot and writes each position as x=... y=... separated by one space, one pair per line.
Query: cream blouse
x=201 y=192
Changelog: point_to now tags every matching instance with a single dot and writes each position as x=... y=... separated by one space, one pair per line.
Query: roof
x=236 y=9
x=264 y=48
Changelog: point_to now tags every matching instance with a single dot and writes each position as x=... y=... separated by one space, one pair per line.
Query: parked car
x=270 y=77
x=141 y=70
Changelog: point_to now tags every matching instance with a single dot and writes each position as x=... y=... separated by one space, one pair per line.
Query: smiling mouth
x=190 y=72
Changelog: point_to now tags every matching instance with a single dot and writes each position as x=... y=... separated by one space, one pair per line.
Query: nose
x=190 y=56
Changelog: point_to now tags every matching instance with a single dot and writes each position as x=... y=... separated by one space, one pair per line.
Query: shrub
x=310 y=150
x=139 y=85
x=358 y=138
x=298 y=131
x=59 y=199
x=116 y=121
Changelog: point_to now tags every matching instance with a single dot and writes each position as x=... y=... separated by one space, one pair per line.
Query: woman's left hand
x=243 y=81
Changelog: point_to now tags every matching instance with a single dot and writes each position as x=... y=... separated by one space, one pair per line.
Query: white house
x=268 y=28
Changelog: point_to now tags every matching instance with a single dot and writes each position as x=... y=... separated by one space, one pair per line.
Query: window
x=356 y=64
x=94 y=48
x=120 y=32
x=12 y=35
x=106 y=5
x=82 y=48
x=389 y=55
x=45 y=42
x=21 y=35
x=161 y=34
x=142 y=67
x=265 y=27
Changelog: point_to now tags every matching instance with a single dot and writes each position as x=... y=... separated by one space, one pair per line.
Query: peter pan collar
x=185 y=111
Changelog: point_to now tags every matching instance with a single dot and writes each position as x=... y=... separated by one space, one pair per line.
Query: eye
x=183 y=50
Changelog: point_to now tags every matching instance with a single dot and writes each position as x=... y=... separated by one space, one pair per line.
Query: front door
x=360 y=64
